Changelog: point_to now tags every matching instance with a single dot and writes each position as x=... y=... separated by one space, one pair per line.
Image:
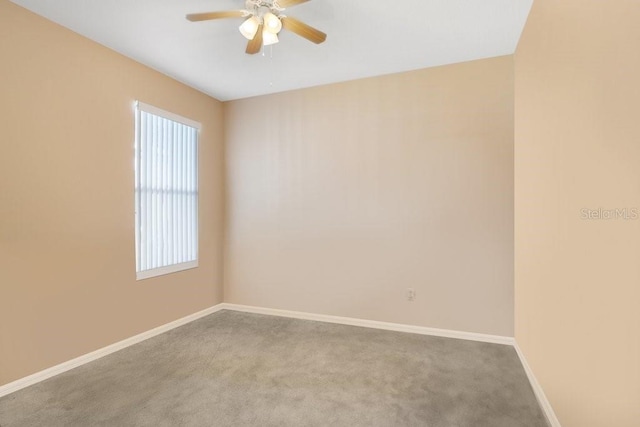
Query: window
x=166 y=189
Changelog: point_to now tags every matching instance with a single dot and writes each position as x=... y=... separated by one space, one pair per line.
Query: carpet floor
x=239 y=369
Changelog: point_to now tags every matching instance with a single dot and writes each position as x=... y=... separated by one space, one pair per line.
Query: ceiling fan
x=264 y=20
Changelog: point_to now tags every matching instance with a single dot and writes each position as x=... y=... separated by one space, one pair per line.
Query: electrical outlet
x=411 y=294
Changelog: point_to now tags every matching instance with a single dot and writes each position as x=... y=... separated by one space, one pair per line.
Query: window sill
x=147 y=274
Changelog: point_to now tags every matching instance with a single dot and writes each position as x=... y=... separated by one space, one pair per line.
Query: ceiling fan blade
x=303 y=30
x=195 y=17
x=255 y=45
x=288 y=3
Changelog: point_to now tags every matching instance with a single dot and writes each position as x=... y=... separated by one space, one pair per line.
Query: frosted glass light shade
x=249 y=28
x=272 y=23
x=269 y=38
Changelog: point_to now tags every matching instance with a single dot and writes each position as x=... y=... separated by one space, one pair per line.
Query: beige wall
x=577 y=146
x=67 y=271
x=341 y=197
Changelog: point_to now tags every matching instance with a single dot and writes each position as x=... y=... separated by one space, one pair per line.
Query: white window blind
x=166 y=189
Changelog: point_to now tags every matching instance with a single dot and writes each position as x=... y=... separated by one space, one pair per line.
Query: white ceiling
x=365 y=38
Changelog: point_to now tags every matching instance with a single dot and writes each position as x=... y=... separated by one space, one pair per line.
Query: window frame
x=182 y=266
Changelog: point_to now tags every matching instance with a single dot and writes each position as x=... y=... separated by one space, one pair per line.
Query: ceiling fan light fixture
x=249 y=28
x=272 y=23
x=269 y=38
x=262 y=22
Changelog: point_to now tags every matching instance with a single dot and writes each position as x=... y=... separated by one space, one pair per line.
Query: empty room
x=320 y=213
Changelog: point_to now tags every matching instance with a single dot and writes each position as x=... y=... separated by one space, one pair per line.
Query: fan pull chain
x=271 y=73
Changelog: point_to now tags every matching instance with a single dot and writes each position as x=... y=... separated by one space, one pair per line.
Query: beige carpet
x=238 y=369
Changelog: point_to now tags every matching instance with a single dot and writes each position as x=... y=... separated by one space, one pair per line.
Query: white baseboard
x=398 y=327
x=94 y=355
x=537 y=390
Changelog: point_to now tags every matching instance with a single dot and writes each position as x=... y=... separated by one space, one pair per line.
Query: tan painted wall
x=341 y=197
x=67 y=261
x=577 y=146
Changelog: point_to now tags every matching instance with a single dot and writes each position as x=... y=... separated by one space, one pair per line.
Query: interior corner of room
x=480 y=200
